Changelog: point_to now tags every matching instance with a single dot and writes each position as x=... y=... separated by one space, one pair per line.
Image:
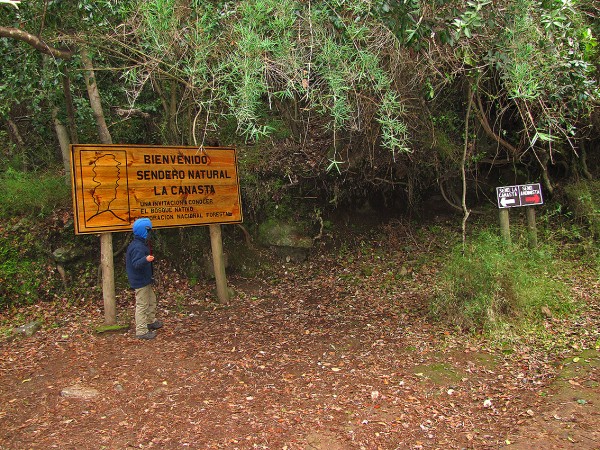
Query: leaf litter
x=323 y=354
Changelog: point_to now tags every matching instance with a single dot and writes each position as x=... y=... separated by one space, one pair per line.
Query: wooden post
x=108 y=279
x=531 y=228
x=106 y=243
x=504 y=225
x=216 y=243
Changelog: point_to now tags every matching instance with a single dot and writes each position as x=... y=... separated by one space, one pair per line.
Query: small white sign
x=519 y=195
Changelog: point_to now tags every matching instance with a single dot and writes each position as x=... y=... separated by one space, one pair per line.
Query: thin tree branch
x=35 y=42
x=479 y=112
x=466 y=211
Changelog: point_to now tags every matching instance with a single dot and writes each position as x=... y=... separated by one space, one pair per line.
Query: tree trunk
x=70 y=107
x=106 y=246
x=20 y=143
x=480 y=113
x=94 y=95
x=583 y=162
x=14 y=129
x=543 y=160
x=167 y=92
x=35 y=42
x=172 y=115
x=64 y=141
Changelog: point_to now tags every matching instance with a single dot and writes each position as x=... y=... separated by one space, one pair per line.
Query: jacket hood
x=141 y=227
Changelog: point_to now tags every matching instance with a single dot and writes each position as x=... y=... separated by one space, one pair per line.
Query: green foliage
x=237 y=58
x=27 y=272
x=394 y=131
x=353 y=72
x=20 y=277
x=32 y=193
x=160 y=24
x=471 y=19
x=531 y=63
x=32 y=82
x=448 y=131
x=584 y=201
x=544 y=58
x=493 y=284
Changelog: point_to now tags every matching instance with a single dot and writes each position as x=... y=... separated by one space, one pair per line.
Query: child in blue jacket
x=138 y=262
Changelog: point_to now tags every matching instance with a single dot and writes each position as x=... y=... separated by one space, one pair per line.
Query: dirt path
x=570 y=413
x=314 y=360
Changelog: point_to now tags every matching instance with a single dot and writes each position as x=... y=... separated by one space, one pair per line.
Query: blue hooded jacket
x=139 y=270
x=141 y=227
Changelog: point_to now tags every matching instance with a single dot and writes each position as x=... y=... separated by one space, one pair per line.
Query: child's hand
x=150 y=258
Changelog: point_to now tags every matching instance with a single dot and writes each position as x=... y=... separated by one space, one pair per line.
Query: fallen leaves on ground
x=319 y=355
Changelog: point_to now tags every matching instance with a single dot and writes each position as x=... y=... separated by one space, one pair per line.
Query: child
x=138 y=262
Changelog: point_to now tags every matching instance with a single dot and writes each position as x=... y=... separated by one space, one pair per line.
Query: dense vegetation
x=332 y=104
x=344 y=99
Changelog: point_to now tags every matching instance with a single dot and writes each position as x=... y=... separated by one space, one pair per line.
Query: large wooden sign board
x=173 y=186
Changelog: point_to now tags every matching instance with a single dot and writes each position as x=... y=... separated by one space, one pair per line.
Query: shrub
x=494 y=283
x=584 y=199
x=32 y=193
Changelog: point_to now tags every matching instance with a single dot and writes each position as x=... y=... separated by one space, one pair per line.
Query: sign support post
x=531 y=228
x=216 y=243
x=505 y=225
x=108 y=278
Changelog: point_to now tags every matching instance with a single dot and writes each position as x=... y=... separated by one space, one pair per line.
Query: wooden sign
x=173 y=186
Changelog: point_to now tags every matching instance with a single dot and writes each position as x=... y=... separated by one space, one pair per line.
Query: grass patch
x=32 y=193
x=111 y=328
x=439 y=373
x=493 y=286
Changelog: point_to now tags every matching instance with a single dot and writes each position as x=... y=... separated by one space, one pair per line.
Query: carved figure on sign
x=107 y=174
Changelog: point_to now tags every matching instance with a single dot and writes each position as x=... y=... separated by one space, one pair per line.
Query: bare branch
x=480 y=113
x=35 y=42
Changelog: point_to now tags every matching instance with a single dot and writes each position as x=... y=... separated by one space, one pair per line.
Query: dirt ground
x=328 y=355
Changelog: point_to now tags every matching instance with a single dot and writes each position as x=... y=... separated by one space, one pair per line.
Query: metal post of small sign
x=515 y=196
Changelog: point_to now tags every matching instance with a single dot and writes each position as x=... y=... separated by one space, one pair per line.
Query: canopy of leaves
x=375 y=89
